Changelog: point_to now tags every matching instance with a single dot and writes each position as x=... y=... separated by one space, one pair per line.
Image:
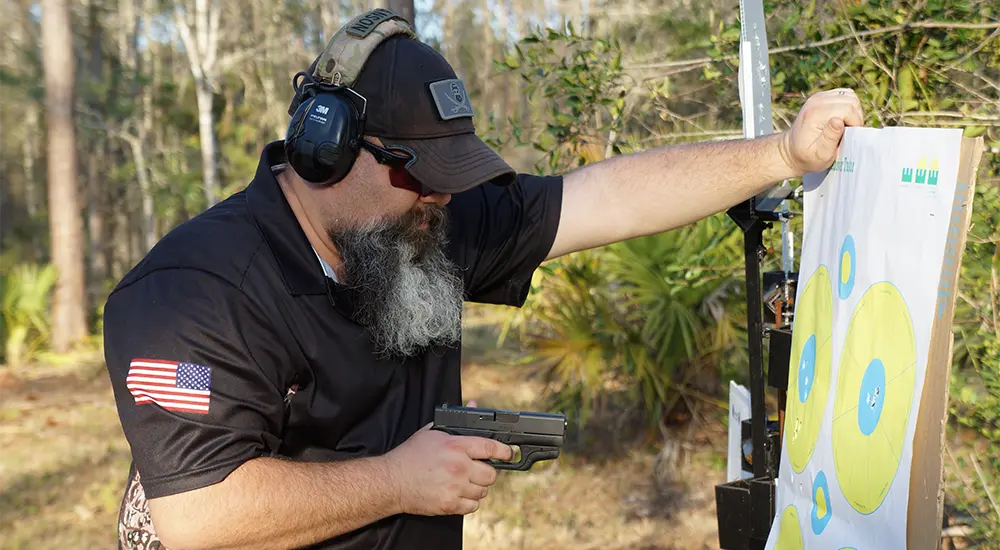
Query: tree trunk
x=200 y=41
x=97 y=274
x=486 y=65
x=69 y=319
x=449 y=42
x=520 y=111
x=145 y=130
x=503 y=99
x=206 y=131
x=404 y=8
x=30 y=183
x=329 y=14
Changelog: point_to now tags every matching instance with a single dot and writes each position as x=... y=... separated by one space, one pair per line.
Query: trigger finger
x=483 y=447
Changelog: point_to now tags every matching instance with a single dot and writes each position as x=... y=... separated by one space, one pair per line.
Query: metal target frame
x=746 y=506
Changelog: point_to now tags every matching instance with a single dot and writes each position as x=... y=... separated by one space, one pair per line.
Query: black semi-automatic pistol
x=539 y=436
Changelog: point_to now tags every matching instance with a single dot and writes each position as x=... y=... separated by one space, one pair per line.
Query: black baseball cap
x=416 y=101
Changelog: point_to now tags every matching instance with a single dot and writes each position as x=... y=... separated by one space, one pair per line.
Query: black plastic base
x=745 y=511
x=732 y=503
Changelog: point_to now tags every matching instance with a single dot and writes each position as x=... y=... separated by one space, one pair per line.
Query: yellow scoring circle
x=790 y=533
x=820 y=503
x=845 y=268
x=809 y=368
x=874 y=393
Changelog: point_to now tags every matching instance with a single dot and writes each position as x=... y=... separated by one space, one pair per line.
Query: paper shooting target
x=821 y=508
x=845 y=282
x=809 y=368
x=790 y=532
x=875 y=388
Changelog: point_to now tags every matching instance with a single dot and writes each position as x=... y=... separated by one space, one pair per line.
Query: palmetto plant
x=25 y=310
x=643 y=317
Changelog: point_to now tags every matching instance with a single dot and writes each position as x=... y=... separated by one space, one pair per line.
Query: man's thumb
x=833 y=130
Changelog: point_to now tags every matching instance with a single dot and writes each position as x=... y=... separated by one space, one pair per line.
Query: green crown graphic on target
x=921 y=174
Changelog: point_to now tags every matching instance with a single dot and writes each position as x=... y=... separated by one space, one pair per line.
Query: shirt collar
x=327 y=268
x=281 y=230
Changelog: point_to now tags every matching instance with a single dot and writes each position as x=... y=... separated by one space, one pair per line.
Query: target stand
x=745 y=507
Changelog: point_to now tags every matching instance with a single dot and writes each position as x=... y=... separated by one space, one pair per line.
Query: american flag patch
x=175 y=386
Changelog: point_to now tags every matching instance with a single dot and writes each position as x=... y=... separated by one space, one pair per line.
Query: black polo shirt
x=227 y=342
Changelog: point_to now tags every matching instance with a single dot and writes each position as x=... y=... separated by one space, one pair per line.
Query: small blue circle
x=871 y=397
x=845 y=280
x=807 y=368
x=821 y=511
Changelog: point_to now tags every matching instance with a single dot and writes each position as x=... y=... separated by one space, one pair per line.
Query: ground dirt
x=64 y=462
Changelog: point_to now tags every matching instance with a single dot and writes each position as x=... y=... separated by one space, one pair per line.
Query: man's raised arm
x=669 y=187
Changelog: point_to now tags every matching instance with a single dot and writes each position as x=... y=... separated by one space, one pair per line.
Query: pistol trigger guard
x=529 y=455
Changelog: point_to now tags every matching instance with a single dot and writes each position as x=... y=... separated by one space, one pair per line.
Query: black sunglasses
x=397 y=159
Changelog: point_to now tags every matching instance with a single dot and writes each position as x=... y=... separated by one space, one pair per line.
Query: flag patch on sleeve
x=173 y=385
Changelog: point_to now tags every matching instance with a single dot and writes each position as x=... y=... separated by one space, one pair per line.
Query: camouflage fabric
x=346 y=52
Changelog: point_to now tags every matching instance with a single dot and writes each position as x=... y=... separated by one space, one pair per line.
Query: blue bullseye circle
x=807 y=368
x=821 y=512
x=871 y=397
x=848 y=267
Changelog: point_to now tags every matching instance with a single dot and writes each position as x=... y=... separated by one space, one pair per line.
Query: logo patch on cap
x=365 y=23
x=451 y=99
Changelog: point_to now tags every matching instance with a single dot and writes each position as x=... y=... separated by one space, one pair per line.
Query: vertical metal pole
x=755 y=95
x=755 y=334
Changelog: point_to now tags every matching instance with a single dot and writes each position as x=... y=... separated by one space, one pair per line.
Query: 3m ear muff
x=323 y=136
x=326 y=128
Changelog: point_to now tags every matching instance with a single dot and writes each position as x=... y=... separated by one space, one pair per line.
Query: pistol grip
x=529 y=453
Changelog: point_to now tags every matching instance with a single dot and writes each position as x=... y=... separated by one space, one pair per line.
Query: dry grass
x=608 y=492
x=64 y=459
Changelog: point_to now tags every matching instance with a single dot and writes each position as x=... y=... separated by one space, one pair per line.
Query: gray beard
x=407 y=292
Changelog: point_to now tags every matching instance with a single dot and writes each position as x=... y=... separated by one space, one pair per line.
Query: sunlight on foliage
x=25 y=304
x=647 y=318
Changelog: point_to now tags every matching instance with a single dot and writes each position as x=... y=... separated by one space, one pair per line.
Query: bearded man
x=277 y=359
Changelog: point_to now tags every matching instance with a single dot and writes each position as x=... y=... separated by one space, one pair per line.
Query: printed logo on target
x=842 y=165
x=924 y=173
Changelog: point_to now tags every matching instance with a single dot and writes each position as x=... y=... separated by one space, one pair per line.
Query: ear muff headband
x=325 y=132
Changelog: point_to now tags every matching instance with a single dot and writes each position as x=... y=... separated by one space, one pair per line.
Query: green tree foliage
x=649 y=317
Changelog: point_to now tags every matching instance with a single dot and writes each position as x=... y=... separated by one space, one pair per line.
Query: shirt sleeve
x=500 y=235
x=193 y=367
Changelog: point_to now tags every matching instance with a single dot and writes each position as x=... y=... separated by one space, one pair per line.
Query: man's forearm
x=664 y=188
x=670 y=187
x=272 y=503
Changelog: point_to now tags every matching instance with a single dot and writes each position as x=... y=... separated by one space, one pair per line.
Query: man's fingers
x=838 y=99
x=837 y=92
x=482 y=474
x=856 y=116
x=467 y=506
x=481 y=448
x=472 y=491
